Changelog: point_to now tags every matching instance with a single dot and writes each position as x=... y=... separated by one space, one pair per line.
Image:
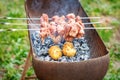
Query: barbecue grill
x=93 y=69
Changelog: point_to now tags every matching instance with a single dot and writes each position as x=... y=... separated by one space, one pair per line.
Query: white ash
x=41 y=49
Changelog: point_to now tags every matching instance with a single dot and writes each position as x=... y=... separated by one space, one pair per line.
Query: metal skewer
x=87 y=28
x=8 y=23
x=11 y=18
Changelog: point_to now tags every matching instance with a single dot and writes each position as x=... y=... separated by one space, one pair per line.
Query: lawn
x=14 y=46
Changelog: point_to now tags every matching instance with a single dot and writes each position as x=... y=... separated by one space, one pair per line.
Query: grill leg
x=27 y=65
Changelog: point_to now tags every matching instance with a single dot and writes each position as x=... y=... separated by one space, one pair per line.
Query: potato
x=55 y=52
x=68 y=49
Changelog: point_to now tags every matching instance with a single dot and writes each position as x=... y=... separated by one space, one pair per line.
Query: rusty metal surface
x=93 y=69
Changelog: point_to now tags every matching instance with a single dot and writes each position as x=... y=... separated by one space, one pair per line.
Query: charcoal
x=41 y=49
x=80 y=41
x=84 y=45
x=60 y=45
x=41 y=58
x=48 y=41
x=51 y=45
x=87 y=53
x=47 y=58
x=59 y=59
x=62 y=41
x=76 y=44
x=78 y=59
x=76 y=39
x=44 y=50
x=81 y=52
x=38 y=51
x=69 y=60
x=35 y=36
x=78 y=54
x=86 y=48
x=86 y=57
x=63 y=59
x=52 y=60
x=72 y=59
x=82 y=57
x=32 y=37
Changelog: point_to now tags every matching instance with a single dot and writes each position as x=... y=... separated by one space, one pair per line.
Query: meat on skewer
x=57 y=29
x=44 y=31
x=81 y=27
x=60 y=28
x=72 y=30
x=53 y=34
x=52 y=28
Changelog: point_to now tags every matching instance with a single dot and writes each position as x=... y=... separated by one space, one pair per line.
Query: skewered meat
x=52 y=28
x=44 y=18
x=81 y=27
x=61 y=28
x=55 y=19
x=44 y=27
x=72 y=29
x=57 y=28
x=56 y=39
x=43 y=33
x=71 y=16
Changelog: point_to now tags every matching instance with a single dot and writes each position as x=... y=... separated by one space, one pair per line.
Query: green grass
x=14 y=46
x=109 y=9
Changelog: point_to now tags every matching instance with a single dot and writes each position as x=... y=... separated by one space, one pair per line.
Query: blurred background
x=14 y=46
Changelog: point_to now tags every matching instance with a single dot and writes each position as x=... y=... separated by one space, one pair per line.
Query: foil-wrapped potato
x=55 y=52
x=68 y=49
